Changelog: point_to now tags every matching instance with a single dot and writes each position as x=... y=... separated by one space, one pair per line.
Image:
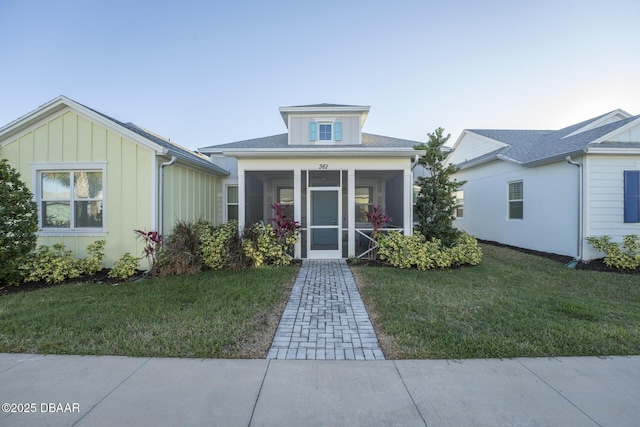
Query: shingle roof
x=533 y=146
x=172 y=148
x=323 y=105
x=369 y=141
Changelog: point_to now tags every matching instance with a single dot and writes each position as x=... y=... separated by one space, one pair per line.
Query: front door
x=325 y=237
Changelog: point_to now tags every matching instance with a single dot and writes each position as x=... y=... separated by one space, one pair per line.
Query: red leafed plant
x=286 y=229
x=378 y=219
x=152 y=241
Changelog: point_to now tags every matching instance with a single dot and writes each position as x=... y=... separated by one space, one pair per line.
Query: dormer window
x=325 y=132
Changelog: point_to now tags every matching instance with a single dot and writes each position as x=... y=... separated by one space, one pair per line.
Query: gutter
x=161 y=213
x=573 y=263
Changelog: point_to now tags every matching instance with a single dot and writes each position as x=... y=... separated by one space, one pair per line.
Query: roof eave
x=287 y=152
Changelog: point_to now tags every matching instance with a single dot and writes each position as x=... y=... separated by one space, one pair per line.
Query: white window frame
x=509 y=200
x=325 y=121
x=320 y=125
x=71 y=167
x=459 y=194
x=227 y=203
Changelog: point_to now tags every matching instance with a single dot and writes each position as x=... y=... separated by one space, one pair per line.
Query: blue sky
x=210 y=72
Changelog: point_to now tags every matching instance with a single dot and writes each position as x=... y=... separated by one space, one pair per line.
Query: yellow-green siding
x=189 y=195
x=71 y=138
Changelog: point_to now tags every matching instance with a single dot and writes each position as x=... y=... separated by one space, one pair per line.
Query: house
x=547 y=190
x=94 y=177
x=327 y=171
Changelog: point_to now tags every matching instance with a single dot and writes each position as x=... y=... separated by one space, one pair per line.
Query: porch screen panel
x=262 y=190
x=394 y=199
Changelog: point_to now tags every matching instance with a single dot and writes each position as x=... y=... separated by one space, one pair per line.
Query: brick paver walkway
x=325 y=317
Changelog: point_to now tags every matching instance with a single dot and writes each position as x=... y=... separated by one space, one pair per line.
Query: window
x=285 y=197
x=325 y=132
x=631 y=196
x=363 y=199
x=232 y=202
x=516 y=198
x=459 y=203
x=416 y=194
x=71 y=199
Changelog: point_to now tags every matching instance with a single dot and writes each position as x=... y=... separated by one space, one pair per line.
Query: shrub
x=124 y=267
x=180 y=253
x=18 y=224
x=93 y=263
x=215 y=244
x=261 y=246
x=624 y=256
x=51 y=264
x=416 y=252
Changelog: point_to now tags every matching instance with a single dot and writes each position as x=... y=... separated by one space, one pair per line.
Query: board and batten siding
x=189 y=195
x=604 y=194
x=299 y=128
x=69 y=138
x=550 y=220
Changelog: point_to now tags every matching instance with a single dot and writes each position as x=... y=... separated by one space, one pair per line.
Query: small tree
x=18 y=223
x=436 y=201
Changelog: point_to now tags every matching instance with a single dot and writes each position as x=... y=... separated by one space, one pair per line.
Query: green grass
x=209 y=315
x=511 y=305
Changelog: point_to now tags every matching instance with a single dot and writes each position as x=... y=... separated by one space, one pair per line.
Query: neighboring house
x=327 y=171
x=94 y=177
x=547 y=190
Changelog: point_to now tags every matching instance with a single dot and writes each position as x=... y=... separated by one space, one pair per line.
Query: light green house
x=94 y=177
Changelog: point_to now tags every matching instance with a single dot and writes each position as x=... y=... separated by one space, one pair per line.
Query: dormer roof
x=324 y=108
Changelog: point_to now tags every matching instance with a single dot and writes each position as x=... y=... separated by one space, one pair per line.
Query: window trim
x=320 y=132
x=70 y=167
x=509 y=200
x=227 y=203
x=459 y=203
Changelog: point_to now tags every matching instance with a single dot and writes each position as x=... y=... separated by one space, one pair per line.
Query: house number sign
x=323 y=166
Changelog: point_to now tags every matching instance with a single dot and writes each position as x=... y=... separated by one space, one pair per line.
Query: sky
x=209 y=72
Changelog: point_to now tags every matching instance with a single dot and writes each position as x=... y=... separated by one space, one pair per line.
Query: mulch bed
x=593 y=265
x=100 y=277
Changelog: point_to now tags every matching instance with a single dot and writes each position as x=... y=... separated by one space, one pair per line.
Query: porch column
x=241 y=201
x=351 y=212
x=297 y=207
x=408 y=202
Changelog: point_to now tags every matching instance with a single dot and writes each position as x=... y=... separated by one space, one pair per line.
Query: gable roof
x=138 y=134
x=371 y=145
x=533 y=147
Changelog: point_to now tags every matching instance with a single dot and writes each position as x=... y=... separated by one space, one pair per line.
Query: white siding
x=472 y=146
x=550 y=222
x=299 y=128
x=629 y=135
x=605 y=198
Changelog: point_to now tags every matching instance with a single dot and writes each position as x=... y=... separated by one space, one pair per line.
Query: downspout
x=573 y=264
x=161 y=195
x=415 y=162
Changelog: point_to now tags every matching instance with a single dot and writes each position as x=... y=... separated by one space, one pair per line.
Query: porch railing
x=372 y=243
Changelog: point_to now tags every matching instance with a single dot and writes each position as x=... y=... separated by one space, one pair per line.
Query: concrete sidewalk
x=108 y=390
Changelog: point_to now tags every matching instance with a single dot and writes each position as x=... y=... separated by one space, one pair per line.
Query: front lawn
x=511 y=305
x=215 y=314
